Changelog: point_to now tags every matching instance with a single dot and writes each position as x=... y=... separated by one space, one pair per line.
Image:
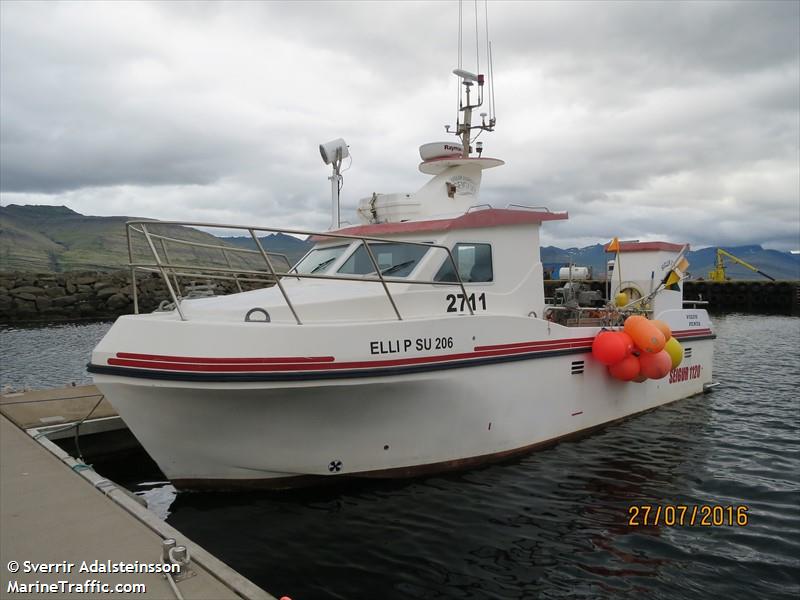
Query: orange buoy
x=610 y=347
x=675 y=350
x=647 y=337
x=656 y=365
x=625 y=370
x=663 y=328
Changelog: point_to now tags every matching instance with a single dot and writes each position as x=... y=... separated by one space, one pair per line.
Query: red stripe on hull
x=234 y=361
x=576 y=341
x=227 y=368
x=691 y=333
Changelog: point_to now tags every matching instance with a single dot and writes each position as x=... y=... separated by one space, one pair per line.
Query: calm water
x=550 y=525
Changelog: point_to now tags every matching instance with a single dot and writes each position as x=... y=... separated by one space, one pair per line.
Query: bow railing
x=246 y=266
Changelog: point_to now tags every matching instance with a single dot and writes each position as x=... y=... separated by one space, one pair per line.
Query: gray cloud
x=670 y=120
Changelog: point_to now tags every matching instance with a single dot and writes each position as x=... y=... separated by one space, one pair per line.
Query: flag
x=613 y=245
x=671 y=281
x=676 y=273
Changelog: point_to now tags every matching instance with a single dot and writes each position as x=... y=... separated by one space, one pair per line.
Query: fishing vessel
x=417 y=341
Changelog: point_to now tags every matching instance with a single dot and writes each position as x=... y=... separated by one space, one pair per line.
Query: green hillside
x=56 y=239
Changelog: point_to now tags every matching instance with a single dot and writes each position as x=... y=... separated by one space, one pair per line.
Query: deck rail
x=250 y=271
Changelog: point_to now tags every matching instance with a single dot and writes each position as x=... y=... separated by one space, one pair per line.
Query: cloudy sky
x=676 y=121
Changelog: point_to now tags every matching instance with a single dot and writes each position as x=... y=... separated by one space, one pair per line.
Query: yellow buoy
x=675 y=351
x=621 y=299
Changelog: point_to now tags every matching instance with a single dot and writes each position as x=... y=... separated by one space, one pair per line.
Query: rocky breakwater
x=85 y=295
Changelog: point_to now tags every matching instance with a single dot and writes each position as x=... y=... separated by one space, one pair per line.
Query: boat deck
x=53 y=512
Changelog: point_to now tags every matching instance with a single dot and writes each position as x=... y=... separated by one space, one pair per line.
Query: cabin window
x=474 y=264
x=319 y=259
x=394 y=260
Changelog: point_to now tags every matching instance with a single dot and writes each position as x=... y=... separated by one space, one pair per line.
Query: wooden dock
x=54 y=510
x=39 y=408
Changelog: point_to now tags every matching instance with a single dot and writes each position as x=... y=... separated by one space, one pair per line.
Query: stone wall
x=83 y=295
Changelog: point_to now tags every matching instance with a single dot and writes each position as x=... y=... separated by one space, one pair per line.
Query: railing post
x=274 y=275
x=133 y=271
x=169 y=262
x=228 y=261
x=163 y=272
x=380 y=275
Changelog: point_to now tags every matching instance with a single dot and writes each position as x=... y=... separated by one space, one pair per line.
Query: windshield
x=394 y=259
x=319 y=259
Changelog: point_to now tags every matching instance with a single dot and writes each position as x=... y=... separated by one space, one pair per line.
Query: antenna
x=492 y=107
x=489 y=58
x=468 y=79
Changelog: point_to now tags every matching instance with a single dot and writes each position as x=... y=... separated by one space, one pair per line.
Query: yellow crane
x=718 y=273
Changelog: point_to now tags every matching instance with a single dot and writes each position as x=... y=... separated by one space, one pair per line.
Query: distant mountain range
x=56 y=238
x=279 y=243
x=780 y=265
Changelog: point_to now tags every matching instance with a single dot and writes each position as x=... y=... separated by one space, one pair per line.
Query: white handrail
x=167 y=267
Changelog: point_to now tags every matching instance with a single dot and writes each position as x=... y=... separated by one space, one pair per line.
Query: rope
x=71 y=425
x=174 y=586
x=175 y=561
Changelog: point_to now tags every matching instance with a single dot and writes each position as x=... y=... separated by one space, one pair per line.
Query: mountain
x=591 y=256
x=280 y=243
x=56 y=238
x=780 y=265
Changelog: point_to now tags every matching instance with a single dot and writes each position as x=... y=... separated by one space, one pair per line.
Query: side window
x=474 y=264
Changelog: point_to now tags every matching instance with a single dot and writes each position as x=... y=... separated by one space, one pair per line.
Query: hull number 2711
x=458 y=302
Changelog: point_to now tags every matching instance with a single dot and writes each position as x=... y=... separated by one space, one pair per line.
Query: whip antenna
x=492 y=108
x=477 y=42
x=460 y=52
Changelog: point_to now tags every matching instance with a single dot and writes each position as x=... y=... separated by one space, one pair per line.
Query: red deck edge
x=647 y=246
x=490 y=217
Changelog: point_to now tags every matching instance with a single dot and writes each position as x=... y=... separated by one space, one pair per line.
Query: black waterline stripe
x=317 y=375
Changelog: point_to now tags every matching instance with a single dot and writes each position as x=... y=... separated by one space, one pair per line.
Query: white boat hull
x=430 y=417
